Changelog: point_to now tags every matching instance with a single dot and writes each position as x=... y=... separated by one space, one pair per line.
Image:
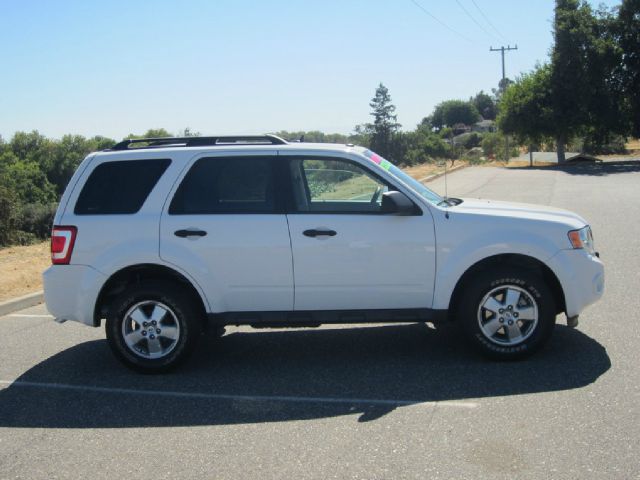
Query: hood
x=519 y=211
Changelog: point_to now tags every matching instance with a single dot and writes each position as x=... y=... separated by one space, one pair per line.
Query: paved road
x=400 y=401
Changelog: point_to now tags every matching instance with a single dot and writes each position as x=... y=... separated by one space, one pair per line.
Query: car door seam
x=293 y=265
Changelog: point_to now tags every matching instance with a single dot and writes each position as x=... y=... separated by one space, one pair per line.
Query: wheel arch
x=515 y=260
x=136 y=274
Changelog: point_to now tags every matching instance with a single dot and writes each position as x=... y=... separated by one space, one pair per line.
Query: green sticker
x=385 y=164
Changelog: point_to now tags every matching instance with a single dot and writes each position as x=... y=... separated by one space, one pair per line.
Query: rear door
x=224 y=223
x=348 y=254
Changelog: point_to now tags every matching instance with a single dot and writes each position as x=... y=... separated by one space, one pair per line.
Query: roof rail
x=130 y=144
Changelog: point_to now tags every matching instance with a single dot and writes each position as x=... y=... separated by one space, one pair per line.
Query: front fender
x=454 y=259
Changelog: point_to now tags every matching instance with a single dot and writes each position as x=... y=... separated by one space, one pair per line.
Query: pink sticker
x=376 y=158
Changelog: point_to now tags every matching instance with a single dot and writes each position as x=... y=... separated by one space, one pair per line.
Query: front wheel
x=153 y=327
x=507 y=314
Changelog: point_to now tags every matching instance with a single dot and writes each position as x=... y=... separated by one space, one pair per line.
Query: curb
x=20 y=303
x=438 y=175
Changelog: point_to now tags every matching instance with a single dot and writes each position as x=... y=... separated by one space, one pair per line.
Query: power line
x=474 y=20
x=440 y=21
x=488 y=21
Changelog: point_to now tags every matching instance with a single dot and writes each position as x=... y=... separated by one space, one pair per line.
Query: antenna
x=453 y=155
x=445 y=180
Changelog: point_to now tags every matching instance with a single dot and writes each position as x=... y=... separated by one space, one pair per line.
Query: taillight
x=62 y=240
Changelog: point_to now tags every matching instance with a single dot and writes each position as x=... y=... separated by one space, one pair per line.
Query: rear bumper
x=70 y=292
x=581 y=276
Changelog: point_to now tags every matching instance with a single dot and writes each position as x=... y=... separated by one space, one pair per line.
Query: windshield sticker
x=376 y=158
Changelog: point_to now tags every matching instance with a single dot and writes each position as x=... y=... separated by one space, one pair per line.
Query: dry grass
x=21 y=269
x=633 y=145
x=424 y=170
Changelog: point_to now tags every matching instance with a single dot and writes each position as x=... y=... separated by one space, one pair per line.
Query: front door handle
x=319 y=233
x=189 y=232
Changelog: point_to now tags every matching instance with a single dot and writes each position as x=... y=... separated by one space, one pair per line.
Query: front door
x=347 y=254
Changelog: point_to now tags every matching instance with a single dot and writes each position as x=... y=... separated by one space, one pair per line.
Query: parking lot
x=371 y=401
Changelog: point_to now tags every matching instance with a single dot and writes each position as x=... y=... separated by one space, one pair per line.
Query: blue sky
x=221 y=66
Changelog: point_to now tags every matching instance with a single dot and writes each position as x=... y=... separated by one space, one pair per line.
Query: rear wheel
x=153 y=327
x=507 y=314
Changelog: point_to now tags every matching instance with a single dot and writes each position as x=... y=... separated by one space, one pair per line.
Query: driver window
x=338 y=186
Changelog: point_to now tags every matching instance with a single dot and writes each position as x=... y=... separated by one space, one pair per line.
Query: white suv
x=163 y=236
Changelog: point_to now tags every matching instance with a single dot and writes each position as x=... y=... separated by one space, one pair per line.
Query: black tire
x=182 y=318
x=488 y=288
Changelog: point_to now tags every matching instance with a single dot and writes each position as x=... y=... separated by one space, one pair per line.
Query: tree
x=453 y=112
x=568 y=69
x=28 y=182
x=503 y=84
x=7 y=214
x=151 y=133
x=577 y=92
x=187 y=132
x=384 y=124
x=422 y=145
x=493 y=146
x=606 y=116
x=66 y=155
x=314 y=136
x=584 y=93
x=485 y=105
x=26 y=145
x=628 y=38
x=526 y=108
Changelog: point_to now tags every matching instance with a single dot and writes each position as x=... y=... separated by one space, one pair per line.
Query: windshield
x=424 y=192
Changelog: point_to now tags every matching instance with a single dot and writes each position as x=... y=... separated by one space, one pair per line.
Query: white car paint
x=478 y=229
x=374 y=262
x=258 y=263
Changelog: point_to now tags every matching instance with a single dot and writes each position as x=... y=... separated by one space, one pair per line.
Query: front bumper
x=581 y=276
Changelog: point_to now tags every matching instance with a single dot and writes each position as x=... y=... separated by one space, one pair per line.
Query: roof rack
x=130 y=144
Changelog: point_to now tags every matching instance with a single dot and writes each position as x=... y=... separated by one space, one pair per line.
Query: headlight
x=582 y=238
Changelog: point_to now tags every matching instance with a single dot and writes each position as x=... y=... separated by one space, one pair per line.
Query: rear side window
x=119 y=187
x=227 y=185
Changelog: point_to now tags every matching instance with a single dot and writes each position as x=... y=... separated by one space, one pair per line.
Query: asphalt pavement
x=361 y=402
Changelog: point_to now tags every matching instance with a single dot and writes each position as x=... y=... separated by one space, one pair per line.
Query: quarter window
x=119 y=187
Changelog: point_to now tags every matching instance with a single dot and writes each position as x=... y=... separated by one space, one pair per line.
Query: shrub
x=468 y=140
x=615 y=144
x=7 y=215
x=474 y=156
x=36 y=219
x=493 y=145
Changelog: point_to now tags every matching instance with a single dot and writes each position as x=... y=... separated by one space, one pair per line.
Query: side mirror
x=398 y=203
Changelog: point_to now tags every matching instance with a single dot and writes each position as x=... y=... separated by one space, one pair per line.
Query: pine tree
x=385 y=124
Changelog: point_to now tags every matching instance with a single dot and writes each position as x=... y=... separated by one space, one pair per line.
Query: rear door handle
x=189 y=232
x=319 y=233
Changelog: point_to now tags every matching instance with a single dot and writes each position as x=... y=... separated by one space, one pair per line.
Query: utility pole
x=502 y=50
